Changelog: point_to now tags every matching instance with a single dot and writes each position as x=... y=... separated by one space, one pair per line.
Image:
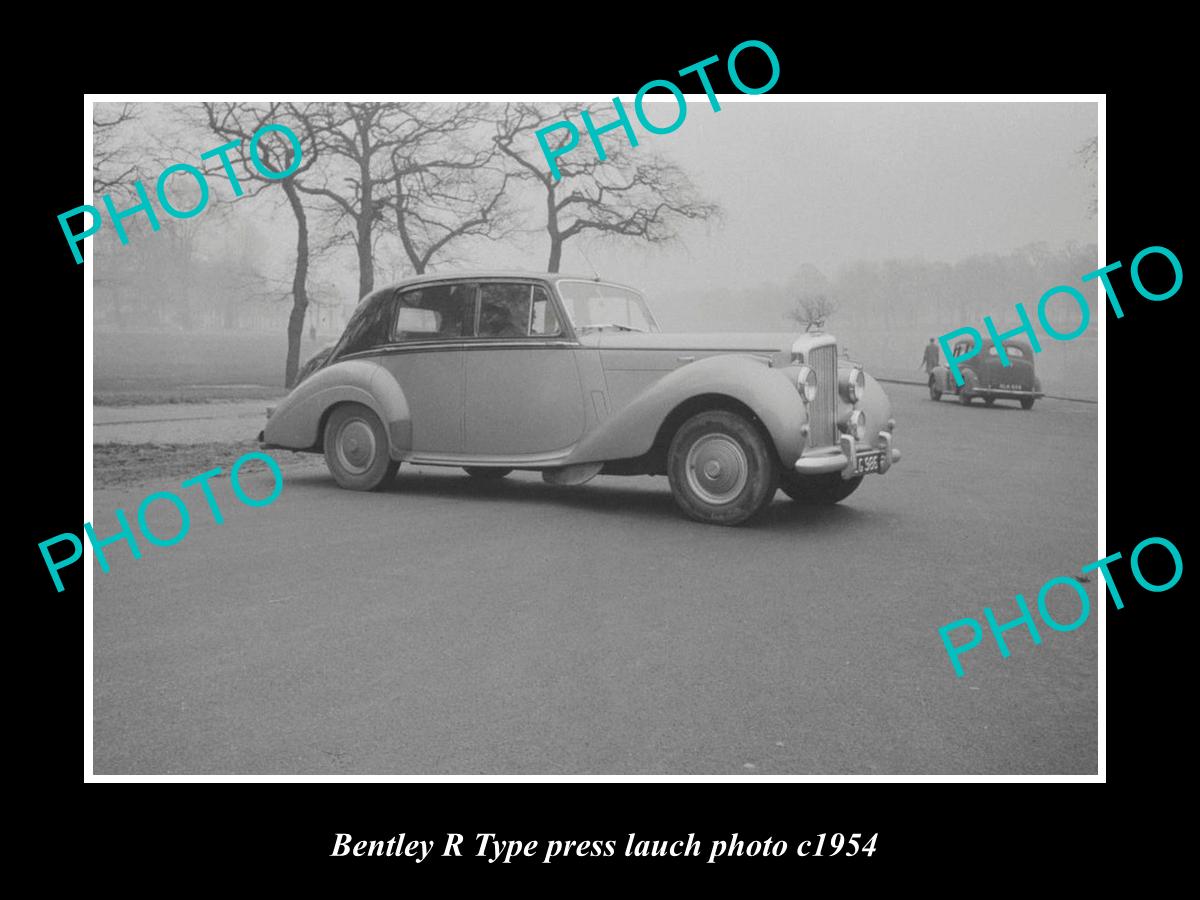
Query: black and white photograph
x=734 y=435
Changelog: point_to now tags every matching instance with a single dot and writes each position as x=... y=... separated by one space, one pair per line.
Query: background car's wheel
x=721 y=469
x=989 y=401
x=818 y=490
x=934 y=393
x=485 y=472
x=356 y=449
x=1027 y=402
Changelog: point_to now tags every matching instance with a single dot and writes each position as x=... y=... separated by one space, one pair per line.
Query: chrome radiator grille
x=822 y=411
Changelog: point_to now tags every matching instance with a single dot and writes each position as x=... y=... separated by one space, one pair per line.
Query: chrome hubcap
x=717 y=469
x=356 y=446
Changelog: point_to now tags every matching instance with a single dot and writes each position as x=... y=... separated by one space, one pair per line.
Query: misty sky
x=822 y=183
x=827 y=183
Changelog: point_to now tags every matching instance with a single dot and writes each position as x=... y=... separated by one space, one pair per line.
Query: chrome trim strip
x=524 y=460
x=472 y=344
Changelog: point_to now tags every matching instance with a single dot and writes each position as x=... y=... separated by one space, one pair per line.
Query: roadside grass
x=145 y=395
x=126 y=465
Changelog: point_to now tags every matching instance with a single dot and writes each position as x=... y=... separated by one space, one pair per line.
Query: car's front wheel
x=1027 y=403
x=818 y=490
x=356 y=449
x=721 y=468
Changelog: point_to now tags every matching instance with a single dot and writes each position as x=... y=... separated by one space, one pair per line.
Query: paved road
x=449 y=627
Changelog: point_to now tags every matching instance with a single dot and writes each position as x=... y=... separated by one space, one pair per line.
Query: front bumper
x=844 y=457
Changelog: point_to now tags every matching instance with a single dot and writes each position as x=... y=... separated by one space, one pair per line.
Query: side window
x=504 y=310
x=545 y=319
x=369 y=326
x=516 y=310
x=436 y=312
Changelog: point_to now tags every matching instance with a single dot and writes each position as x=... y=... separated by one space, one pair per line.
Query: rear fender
x=768 y=392
x=297 y=422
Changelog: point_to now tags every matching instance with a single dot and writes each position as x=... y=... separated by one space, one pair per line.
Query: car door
x=425 y=357
x=523 y=393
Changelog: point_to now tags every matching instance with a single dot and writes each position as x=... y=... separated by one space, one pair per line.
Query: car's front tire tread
x=734 y=469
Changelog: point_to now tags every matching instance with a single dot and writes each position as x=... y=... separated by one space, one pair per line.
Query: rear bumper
x=844 y=458
x=1005 y=394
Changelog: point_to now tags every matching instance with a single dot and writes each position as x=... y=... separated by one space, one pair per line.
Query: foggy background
x=902 y=221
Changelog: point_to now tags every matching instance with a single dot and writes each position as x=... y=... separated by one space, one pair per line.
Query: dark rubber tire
x=1027 y=402
x=486 y=473
x=818 y=490
x=356 y=449
x=934 y=393
x=989 y=401
x=721 y=468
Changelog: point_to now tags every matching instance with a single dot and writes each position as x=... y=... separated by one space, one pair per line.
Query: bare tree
x=444 y=187
x=630 y=194
x=812 y=310
x=357 y=140
x=1088 y=154
x=110 y=169
x=239 y=122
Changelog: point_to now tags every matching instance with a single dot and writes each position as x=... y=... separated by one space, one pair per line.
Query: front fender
x=877 y=408
x=296 y=422
x=768 y=392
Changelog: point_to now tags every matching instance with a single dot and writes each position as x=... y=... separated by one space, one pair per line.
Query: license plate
x=865 y=463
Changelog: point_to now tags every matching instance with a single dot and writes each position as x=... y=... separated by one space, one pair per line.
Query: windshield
x=592 y=305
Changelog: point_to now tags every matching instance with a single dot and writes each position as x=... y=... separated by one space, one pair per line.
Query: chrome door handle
x=685 y=359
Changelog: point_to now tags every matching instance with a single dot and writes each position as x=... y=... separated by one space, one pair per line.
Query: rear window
x=1012 y=351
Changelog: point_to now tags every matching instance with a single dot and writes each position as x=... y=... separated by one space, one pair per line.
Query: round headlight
x=857 y=385
x=857 y=426
x=806 y=381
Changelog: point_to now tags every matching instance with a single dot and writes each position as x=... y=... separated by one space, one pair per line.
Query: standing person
x=932 y=358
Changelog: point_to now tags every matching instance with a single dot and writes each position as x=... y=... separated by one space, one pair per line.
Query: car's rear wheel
x=818 y=490
x=486 y=473
x=721 y=469
x=356 y=449
x=934 y=393
x=989 y=401
x=1027 y=402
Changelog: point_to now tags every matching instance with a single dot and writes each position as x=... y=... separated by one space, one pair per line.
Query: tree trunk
x=410 y=249
x=295 y=328
x=556 y=240
x=366 y=265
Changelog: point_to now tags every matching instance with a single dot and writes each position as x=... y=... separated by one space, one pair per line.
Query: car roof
x=1020 y=343
x=480 y=274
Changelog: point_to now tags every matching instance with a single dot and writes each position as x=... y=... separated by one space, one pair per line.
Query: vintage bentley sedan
x=984 y=376
x=573 y=378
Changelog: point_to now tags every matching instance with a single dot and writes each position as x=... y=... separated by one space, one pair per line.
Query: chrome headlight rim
x=856 y=425
x=856 y=384
x=806 y=383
